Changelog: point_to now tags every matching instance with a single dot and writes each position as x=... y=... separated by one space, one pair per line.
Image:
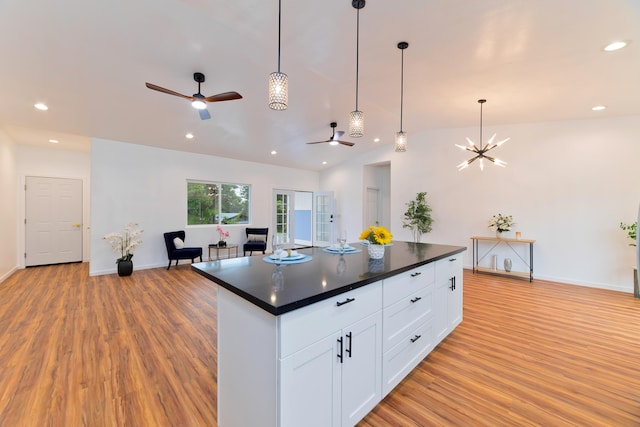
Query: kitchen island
x=322 y=342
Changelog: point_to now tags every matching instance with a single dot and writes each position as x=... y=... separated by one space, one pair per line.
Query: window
x=215 y=203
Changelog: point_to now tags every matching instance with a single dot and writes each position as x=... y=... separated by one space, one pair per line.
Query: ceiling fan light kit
x=482 y=150
x=356 y=117
x=199 y=101
x=400 y=145
x=279 y=82
x=335 y=137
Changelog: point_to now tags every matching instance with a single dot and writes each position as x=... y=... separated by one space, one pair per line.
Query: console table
x=494 y=242
x=217 y=248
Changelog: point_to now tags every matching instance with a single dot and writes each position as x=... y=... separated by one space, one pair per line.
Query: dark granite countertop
x=279 y=290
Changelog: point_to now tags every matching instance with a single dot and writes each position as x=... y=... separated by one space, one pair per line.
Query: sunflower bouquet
x=377 y=235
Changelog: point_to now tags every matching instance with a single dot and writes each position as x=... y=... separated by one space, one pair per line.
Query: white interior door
x=53 y=220
x=323 y=218
x=372 y=215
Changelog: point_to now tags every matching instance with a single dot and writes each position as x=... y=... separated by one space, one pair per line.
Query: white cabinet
x=334 y=381
x=331 y=362
x=311 y=385
x=407 y=323
x=448 y=294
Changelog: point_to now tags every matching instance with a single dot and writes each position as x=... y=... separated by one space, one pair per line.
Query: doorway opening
x=304 y=218
x=377 y=195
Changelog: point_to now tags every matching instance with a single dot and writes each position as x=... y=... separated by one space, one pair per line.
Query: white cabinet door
x=361 y=368
x=335 y=381
x=455 y=297
x=311 y=386
x=441 y=310
x=448 y=296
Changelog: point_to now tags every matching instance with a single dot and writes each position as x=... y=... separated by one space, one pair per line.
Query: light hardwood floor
x=140 y=351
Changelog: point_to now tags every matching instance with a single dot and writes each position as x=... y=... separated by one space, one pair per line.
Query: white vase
x=375 y=251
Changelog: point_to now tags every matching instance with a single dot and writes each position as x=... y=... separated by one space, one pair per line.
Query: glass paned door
x=282 y=214
x=323 y=218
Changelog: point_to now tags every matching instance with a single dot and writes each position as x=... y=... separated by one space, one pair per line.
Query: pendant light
x=356 y=117
x=278 y=82
x=481 y=152
x=400 y=145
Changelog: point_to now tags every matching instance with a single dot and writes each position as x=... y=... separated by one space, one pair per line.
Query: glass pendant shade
x=356 y=124
x=278 y=91
x=400 y=145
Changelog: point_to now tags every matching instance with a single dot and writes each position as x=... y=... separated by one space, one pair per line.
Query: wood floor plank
x=141 y=351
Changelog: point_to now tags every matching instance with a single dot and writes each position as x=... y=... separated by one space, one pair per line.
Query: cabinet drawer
x=403 y=316
x=407 y=283
x=307 y=325
x=406 y=355
x=448 y=267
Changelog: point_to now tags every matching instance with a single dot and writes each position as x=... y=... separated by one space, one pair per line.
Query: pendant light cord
x=357 y=52
x=279 y=30
x=401 y=88
x=481 y=125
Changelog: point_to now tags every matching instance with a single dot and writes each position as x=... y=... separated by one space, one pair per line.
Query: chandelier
x=483 y=149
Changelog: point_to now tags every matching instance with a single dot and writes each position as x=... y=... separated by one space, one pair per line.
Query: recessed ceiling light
x=376 y=140
x=616 y=45
x=598 y=108
x=41 y=106
x=53 y=141
x=189 y=135
x=324 y=163
x=274 y=152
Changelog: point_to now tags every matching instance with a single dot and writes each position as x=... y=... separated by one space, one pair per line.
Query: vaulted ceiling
x=533 y=61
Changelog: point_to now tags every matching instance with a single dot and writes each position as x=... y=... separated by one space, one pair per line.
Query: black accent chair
x=177 y=254
x=256 y=240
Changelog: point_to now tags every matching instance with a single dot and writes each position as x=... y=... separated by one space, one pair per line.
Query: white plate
x=288 y=258
x=346 y=249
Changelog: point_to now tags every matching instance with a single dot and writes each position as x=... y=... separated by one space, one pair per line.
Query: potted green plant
x=418 y=216
x=632 y=230
x=632 y=233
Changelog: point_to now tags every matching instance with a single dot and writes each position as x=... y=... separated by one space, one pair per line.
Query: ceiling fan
x=335 y=137
x=199 y=101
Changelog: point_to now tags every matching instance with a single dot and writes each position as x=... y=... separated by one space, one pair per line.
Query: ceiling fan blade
x=226 y=96
x=347 y=143
x=319 y=142
x=170 y=92
x=204 y=114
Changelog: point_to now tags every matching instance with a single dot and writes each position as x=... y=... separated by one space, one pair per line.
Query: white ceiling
x=533 y=61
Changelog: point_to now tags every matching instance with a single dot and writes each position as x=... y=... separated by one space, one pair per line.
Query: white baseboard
x=8 y=274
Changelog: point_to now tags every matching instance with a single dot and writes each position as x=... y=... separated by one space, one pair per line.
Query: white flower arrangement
x=125 y=244
x=501 y=223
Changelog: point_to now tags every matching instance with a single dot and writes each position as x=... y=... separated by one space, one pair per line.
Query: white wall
x=8 y=210
x=568 y=185
x=148 y=185
x=53 y=163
